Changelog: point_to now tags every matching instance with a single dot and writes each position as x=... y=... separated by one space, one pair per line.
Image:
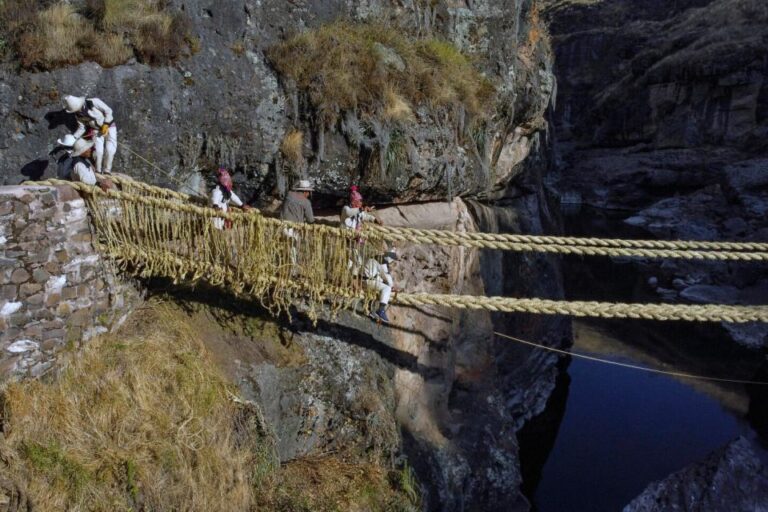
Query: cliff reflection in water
x=614 y=430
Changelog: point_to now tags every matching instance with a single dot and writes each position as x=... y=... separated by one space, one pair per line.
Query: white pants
x=105 y=149
x=383 y=288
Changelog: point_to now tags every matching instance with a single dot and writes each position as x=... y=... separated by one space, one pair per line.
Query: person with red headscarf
x=355 y=214
x=222 y=195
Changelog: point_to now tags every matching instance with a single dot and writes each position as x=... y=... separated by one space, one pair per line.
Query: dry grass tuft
x=137 y=422
x=396 y=108
x=46 y=36
x=329 y=484
x=291 y=147
x=55 y=41
x=377 y=70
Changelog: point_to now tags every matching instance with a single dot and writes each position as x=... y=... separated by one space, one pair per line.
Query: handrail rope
x=664 y=312
x=435 y=236
x=631 y=366
x=255 y=257
x=453 y=237
x=169 y=175
x=580 y=241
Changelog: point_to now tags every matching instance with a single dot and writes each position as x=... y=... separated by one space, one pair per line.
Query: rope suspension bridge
x=155 y=232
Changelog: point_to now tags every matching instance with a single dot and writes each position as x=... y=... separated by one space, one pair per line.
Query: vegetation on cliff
x=378 y=70
x=143 y=420
x=45 y=35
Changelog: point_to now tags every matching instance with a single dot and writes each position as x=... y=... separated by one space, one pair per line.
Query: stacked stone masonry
x=56 y=291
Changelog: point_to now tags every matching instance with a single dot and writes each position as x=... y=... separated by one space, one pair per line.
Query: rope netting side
x=283 y=263
x=280 y=264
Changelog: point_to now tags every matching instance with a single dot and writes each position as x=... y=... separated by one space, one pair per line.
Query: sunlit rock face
x=437 y=382
x=227 y=105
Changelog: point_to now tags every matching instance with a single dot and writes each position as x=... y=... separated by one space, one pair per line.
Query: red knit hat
x=354 y=195
x=225 y=180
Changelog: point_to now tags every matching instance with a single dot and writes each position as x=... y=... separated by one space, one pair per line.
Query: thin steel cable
x=631 y=366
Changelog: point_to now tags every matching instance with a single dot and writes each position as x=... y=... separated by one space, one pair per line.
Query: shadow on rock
x=58 y=118
x=35 y=169
x=359 y=331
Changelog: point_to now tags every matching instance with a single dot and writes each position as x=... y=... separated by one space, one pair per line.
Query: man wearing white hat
x=95 y=122
x=296 y=207
x=65 y=162
x=82 y=169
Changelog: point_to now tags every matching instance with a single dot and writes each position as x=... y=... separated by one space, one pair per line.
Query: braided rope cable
x=436 y=234
x=664 y=312
x=447 y=240
x=438 y=237
x=155 y=236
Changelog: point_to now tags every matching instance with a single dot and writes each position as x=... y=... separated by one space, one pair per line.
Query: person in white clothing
x=95 y=122
x=379 y=278
x=222 y=195
x=353 y=216
x=82 y=169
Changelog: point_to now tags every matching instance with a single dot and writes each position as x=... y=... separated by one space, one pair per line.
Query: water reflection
x=609 y=431
x=623 y=429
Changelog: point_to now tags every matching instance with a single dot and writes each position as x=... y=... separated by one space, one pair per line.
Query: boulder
x=731 y=478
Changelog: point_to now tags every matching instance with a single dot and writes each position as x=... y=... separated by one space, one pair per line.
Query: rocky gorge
x=661 y=114
x=651 y=109
x=660 y=126
x=435 y=388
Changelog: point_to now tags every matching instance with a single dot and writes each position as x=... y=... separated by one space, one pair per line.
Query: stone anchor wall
x=55 y=289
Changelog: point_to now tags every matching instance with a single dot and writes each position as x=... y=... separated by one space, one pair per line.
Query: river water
x=609 y=431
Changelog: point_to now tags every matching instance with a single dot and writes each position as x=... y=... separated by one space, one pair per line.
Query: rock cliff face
x=663 y=111
x=732 y=478
x=227 y=105
x=436 y=381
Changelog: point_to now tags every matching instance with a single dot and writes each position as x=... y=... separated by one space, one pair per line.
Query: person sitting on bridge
x=379 y=278
x=222 y=195
x=95 y=123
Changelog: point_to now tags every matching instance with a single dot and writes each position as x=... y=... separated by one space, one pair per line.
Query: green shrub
x=378 y=70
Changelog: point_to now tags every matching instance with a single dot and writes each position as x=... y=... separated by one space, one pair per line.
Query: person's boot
x=382 y=315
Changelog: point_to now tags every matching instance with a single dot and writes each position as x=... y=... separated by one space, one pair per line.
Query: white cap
x=81 y=146
x=73 y=104
x=303 y=186
x=67 y=141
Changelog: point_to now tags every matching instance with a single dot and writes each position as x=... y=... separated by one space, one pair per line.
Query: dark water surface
x=609 y=431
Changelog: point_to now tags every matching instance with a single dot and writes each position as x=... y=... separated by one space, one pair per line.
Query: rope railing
x=436 y=234
x=664 y=312
x=157 y=232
